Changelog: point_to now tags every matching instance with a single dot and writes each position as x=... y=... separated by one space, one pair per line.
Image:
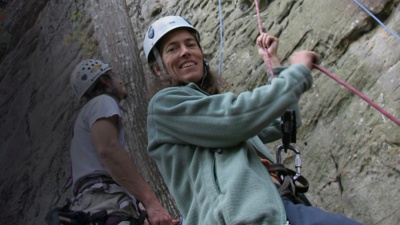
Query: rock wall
x=349 y=149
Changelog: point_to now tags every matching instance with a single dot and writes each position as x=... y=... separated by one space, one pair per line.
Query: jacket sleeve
x=273 y=131
x=184 y=115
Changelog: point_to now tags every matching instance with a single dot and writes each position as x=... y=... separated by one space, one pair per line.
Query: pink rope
x=361 y=95
x=266 y=54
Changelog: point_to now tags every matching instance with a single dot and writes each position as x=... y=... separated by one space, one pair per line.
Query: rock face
x=350 y=151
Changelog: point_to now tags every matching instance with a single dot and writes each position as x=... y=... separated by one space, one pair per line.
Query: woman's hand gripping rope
x=268 y=49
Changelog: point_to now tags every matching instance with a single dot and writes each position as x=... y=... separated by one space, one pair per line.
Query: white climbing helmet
x=85 y=74
x=161 y=27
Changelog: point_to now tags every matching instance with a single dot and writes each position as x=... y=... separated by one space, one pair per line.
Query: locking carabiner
x=297 y=159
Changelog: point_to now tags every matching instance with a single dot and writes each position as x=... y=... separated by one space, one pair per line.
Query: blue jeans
x=299 y=214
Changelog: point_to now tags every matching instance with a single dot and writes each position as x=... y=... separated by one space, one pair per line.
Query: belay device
x=293 y=185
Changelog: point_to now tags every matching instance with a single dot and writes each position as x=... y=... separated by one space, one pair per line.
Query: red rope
x=361 y=95
x=266 y=54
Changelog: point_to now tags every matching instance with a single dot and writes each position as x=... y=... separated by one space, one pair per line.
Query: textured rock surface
x=350 y=151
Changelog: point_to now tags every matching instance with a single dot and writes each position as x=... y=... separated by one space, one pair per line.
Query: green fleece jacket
x=205 y=148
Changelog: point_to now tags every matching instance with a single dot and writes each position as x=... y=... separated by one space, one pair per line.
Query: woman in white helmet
x=104 y=176
x=206 y=144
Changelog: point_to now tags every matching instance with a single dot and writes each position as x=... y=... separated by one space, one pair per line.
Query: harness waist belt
x=87 y=182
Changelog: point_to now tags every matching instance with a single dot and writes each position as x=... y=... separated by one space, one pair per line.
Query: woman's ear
x=106 y=81
x=156 y=69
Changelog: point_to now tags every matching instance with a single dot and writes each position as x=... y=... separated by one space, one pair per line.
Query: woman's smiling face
x=182 y=56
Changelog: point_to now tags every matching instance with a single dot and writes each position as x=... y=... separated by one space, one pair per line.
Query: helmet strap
x=160 y=63
x=206 y=71
x=113 y=90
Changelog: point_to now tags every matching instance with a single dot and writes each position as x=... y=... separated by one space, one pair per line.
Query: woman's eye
x=192 y=44
x=171 y=49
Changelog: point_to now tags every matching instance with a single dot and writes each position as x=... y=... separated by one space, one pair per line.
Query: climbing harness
x=97 y=182
x=291 y=184
x=64 y=216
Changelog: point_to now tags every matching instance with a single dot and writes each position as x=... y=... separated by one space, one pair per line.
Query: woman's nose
x=185 y=51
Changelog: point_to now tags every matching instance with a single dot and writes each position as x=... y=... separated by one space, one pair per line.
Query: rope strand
x=220 y=39
x=266 y=54
x=377 y=20
x=361 y=95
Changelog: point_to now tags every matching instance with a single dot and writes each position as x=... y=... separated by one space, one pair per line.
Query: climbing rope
x=337 y=79
x=361 y=95
x=220 y=39
x=266 y=54
x=377 y=20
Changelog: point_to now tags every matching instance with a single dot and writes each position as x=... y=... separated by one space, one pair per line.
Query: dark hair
x=97 y=87
x=211 y=83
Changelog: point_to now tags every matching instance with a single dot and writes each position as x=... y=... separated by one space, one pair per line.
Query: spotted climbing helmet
x=85 y=75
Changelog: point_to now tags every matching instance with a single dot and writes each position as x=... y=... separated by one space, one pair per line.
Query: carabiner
x=297 y=159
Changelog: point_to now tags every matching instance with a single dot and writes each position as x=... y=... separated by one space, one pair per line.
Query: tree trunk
x=115 y=35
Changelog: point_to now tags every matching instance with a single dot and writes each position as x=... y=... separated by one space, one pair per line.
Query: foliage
x=82 y=33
